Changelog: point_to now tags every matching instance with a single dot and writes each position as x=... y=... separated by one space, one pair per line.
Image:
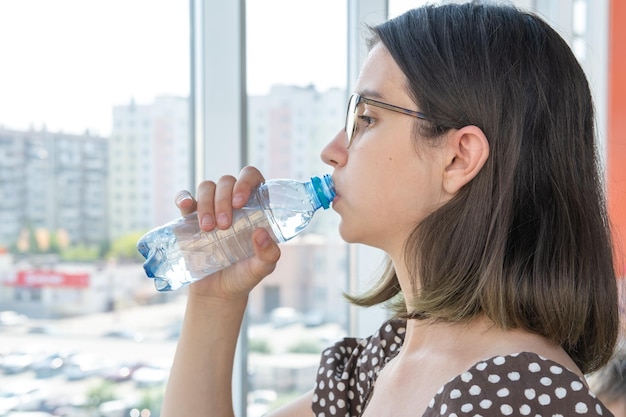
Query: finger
x=224 y=201
x=185 y=202
x=205 y=205
x=267 y=253
x=249 y=178
x=256 y=267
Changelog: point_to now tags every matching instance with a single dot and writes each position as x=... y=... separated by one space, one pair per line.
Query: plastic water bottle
x=179 y=253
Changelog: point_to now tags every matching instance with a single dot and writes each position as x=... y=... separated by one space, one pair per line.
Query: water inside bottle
x=184 y=254
x=290 y=222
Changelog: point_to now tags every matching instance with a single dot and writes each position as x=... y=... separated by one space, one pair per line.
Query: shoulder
x=349 y=368
x=518 y=384
x=371 y=352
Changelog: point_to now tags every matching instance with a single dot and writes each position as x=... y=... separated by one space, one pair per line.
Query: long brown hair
x=527 y=241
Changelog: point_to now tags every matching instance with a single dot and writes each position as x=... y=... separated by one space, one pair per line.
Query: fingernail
x=238 y=200
x=222 y=219
x=263 y=239
x=206 y=221
x=181 y=196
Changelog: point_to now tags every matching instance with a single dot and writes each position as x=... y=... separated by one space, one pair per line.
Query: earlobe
x=467 y=150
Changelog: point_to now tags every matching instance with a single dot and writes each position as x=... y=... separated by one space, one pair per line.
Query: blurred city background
x=99 y=129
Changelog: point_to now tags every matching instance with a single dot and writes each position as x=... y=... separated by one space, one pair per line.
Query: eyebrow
x=370 y=94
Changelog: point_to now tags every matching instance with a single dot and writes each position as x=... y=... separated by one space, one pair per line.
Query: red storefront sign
x=43 y=278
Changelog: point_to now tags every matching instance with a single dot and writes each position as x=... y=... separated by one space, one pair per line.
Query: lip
x=337 y=193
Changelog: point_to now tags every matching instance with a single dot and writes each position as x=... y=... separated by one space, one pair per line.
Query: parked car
x=21 y=396
x=16 y=362
x=83 y=366
x=50 y=364
x=124 y=334
x=9 y=318
x=120 y=372
x=150 y=376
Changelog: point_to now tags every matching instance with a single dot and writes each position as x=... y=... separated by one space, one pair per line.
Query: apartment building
x=55 y=184
x=149 y=161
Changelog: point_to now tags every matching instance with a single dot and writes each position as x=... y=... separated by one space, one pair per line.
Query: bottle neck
x=322 y=190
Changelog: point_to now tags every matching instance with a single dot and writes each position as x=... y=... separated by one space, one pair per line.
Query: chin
x=345 y=234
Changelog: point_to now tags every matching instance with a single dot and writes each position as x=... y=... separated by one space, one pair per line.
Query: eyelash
x=367 y=119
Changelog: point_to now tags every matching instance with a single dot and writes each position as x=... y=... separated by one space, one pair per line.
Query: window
x=91 y=79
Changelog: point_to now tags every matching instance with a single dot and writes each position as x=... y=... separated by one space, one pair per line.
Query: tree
x=125 y=248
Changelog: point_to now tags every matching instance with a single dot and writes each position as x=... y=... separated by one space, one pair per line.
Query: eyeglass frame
x=352 y=116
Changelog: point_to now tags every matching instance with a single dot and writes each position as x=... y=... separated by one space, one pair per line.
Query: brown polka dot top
x=523 y=384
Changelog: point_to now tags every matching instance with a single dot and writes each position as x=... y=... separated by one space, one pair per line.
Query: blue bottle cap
x=324 y=190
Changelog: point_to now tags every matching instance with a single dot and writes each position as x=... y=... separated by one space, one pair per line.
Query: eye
x=367 y=120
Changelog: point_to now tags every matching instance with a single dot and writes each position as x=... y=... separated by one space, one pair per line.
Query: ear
x=467 y=150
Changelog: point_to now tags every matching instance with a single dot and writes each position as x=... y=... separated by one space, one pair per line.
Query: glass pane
x=297 y=96
x=94 y=143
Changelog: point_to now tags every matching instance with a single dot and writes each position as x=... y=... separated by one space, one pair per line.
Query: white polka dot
x=455 y=393
x=443 y=409
x=323 y=402
x=599 y=409
x=431 y=404
x=503 y=392
x=529 y=393
x=485 y=404
x=560 y=393
x=333 y=410
x=524 y=410
x=322 y=384
x=331 y=396
x=494 y=379
x=514 y=376
x=506 y=409
x=544 y=399
x=475 y=390
x=341 y=386
x=577 y=385
x=534 y=367
x=545 y=381
x=581 y=408
x=466 y=408
x=466 y=377
x=556 y=370
x=481 y=366
x=453 y=415
x=499 y=360
x=362 y=376
x=341 y=403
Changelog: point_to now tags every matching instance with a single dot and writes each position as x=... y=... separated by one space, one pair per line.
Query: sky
x=66 y=63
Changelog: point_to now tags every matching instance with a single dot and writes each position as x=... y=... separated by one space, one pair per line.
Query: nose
x=335 y=152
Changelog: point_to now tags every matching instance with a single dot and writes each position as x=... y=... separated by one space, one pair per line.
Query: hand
x=214 y=205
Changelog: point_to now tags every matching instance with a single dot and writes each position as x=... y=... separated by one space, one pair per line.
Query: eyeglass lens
x=351 y=118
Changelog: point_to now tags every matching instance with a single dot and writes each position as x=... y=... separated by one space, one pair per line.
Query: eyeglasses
x=352 y=115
